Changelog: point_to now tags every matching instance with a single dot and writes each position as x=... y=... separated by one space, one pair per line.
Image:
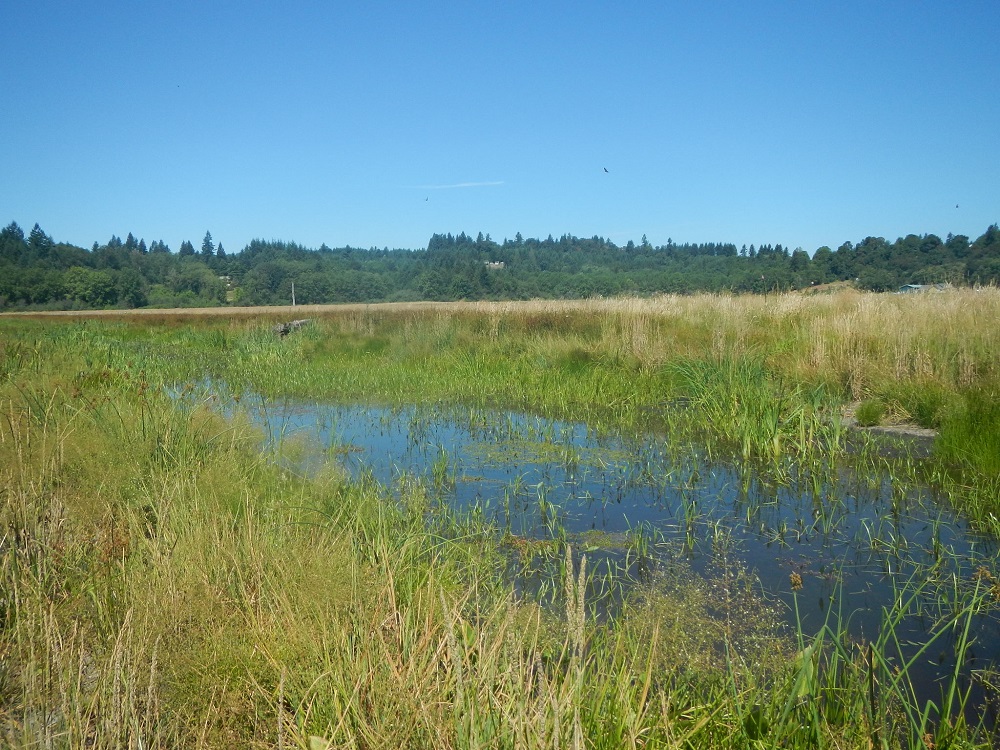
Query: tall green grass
x=166 y=584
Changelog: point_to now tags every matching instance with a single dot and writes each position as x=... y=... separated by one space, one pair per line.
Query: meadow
x=167 y=582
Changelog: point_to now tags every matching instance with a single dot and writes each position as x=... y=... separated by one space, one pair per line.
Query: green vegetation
x=164 y=583
x=38 y=273
x=870 y=413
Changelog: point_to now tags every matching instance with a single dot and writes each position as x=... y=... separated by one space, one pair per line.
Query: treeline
x=37 y=272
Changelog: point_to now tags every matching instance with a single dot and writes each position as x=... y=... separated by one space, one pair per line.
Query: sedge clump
x=870 y=413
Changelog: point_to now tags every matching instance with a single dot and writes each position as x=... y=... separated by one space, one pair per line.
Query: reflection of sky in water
x=540 y=478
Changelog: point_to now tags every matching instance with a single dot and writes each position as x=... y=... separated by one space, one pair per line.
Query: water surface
x=853 y=540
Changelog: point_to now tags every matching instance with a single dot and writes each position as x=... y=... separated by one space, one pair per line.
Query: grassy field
x=165 y=584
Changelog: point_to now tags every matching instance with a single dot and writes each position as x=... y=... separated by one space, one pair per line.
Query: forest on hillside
x=36 y=272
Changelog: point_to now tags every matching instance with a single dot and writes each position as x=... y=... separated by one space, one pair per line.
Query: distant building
x=495 y=265
x=911 y=288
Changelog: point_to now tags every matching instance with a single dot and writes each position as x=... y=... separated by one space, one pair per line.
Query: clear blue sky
x=378 y=124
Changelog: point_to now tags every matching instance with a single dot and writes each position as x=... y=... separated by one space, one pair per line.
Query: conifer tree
x=38 y=240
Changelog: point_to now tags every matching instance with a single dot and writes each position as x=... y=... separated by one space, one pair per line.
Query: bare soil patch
x=298 y=311
x=903 y=429
x=895 y=439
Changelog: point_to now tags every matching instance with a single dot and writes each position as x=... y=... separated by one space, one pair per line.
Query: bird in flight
x=605 y=169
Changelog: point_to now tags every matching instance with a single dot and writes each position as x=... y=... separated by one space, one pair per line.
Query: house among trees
x=913 y=288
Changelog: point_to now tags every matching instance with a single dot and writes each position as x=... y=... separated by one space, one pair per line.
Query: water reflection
x=847 y=542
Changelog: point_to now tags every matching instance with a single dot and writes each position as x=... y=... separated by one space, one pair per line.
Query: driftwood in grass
x=283 y=329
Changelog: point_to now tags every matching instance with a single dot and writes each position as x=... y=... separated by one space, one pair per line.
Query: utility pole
x=293 y=294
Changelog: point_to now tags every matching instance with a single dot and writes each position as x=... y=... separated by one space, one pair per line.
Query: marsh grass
x=870 y=413
x=165 y=583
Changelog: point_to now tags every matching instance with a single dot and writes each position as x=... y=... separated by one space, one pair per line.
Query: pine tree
x=207 y=246
x=38 y=240
x=12 y=232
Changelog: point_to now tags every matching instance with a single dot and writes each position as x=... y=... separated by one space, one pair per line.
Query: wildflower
x=796 y=580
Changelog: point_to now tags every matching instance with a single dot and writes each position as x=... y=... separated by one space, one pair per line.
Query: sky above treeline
x=379 y=124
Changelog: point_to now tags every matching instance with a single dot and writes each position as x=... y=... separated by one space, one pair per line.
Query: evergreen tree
x=207 y=246
x=12 y=232
x=11 y=243
x=221 y=253
x=38 y=240
x=186 y=248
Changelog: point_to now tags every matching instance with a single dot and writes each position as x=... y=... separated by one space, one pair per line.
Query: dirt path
x=298 y=311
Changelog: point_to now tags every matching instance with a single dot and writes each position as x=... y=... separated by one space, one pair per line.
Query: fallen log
x=283 y=329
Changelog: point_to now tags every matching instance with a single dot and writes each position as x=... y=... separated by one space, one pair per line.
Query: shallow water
x=853 y=540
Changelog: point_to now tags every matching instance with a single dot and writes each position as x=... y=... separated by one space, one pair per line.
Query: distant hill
x=38 y=273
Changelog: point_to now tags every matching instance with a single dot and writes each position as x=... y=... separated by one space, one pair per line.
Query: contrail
x=459 y=185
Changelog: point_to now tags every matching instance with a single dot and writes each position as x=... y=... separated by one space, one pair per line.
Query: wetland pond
x=843 y=545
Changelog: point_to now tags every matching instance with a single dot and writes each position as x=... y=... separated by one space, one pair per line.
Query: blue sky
x=378 y=124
